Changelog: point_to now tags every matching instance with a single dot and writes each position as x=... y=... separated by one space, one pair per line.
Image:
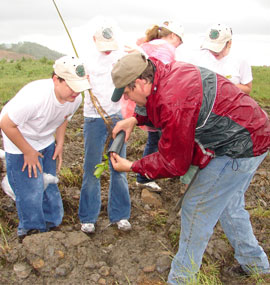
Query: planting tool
x=173 y=215
x=118 y=143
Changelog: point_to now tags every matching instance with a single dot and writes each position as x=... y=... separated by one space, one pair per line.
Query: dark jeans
x=151 y=146
x=37 y=209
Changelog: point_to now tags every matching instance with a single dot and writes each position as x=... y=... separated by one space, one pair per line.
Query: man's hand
x=31 y=161
x=126 y=125
x=120 y=164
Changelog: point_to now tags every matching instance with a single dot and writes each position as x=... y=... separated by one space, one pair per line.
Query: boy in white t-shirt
x=33 y=126
x=215 y=55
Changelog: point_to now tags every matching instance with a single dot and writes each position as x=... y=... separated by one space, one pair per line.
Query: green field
x=261 y=84
x=15 y=74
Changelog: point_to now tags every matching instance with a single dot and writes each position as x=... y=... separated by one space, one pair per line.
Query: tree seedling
x=101 y=167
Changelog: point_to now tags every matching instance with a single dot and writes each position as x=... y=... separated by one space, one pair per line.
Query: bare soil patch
x=10 y=55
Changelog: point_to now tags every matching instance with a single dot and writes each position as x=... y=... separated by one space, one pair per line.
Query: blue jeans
x=95 y=134
x=37 y=209
x=150 y=147
x=217 y=194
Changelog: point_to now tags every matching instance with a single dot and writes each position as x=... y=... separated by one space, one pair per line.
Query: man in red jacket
x=208 y=122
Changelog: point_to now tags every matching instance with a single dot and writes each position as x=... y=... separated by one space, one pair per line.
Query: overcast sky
x=38 y=21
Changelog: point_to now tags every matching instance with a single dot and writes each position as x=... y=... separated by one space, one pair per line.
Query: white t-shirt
x=235 y=69
x=99 y=67
x=37 y=113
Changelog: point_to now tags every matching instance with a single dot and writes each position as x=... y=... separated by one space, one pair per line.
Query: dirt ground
x=9 y=55
x=141 y=256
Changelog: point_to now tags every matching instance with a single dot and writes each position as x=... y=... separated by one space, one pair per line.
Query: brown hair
x=59 y=78
x=156 y=32
x=148 y=74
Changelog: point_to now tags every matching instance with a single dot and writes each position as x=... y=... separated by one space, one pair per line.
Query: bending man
x=206 y=121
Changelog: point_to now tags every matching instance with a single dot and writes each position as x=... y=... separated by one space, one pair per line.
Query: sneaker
x=153 y=185
x=55 y=229
x=88 y=228
x=29 y=233
x=234 y=271
x=124 y=225
x=237 y=271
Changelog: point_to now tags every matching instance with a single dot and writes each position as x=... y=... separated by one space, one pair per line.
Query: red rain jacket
x=201 y=115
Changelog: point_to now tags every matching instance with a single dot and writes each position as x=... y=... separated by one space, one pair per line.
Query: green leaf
x=99 y=170
x=103 y=166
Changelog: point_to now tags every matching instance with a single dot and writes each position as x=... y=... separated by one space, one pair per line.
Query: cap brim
x=215 y=47
x=106 y=46
x=117 y=94
x=78 y=85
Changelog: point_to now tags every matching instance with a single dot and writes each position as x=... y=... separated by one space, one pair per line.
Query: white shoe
x=152 y=185
x=7 y=188
x=124 y=225
x=49 y=179
x=88 y=228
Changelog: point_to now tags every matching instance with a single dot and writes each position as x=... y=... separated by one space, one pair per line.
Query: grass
x=259 y=211
x=207 y=275
x=15 y=74
x=261 y=84
x=4 y=247
x=71 y=177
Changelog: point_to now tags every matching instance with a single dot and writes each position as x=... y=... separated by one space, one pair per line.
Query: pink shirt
x=161 y=50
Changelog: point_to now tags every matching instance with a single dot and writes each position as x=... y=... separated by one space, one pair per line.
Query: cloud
x=265 y=4
x=38 y=21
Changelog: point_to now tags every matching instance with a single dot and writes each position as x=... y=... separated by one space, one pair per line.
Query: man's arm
x=30 y=154
x=126 y=125
x=175 y=147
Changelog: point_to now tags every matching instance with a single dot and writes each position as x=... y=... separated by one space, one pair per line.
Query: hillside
x=11 y=55
x=27 y=49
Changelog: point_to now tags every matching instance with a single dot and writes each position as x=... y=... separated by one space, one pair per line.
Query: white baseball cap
x=216 y=37
x=175 y=28
x=71 y=69
x=105 y=40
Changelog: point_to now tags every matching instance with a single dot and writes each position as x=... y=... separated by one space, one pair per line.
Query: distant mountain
x=11 y=55
x=32 y=49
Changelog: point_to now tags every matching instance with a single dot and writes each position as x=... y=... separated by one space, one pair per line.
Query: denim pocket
x=249 y=164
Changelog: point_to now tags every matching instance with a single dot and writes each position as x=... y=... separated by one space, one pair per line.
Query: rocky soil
x=141 y=256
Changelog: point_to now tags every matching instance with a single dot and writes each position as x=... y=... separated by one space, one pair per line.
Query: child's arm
x=60 y=137
x=30 y=155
